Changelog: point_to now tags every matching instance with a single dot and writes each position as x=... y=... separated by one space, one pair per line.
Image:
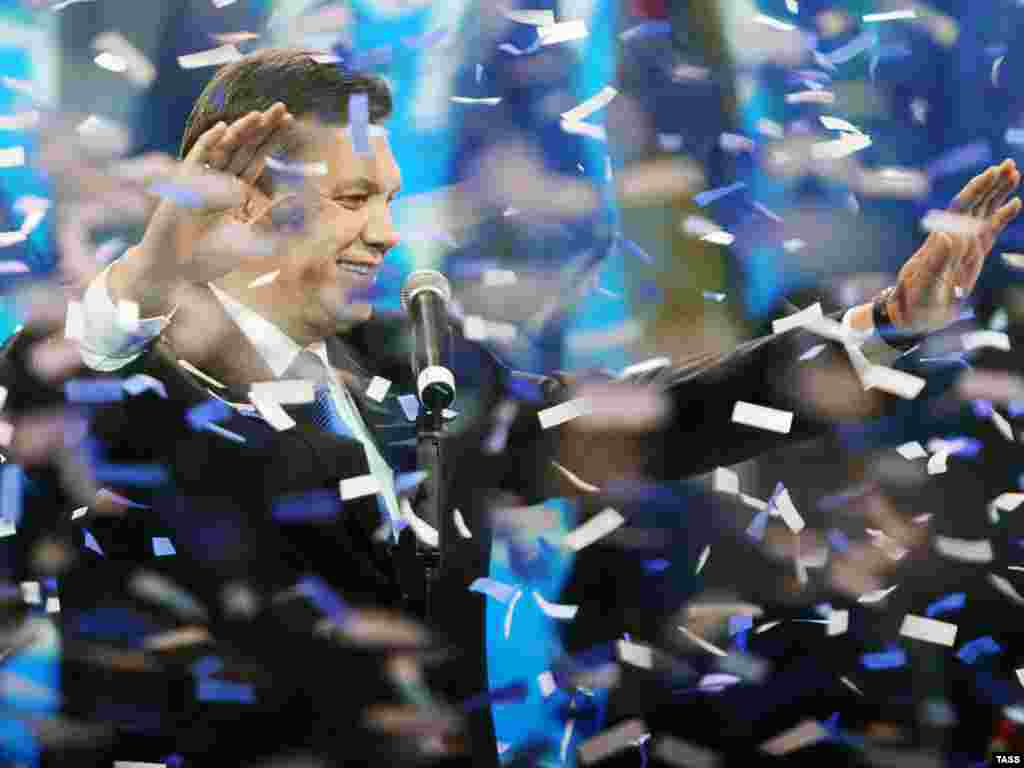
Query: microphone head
x=425 y=280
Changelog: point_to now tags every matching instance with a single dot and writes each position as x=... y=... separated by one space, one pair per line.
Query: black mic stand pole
x=430 y=455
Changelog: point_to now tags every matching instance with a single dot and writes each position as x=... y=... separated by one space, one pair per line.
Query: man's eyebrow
x=370 y=185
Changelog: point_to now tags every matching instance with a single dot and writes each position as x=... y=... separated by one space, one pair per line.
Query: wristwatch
x=886 y=328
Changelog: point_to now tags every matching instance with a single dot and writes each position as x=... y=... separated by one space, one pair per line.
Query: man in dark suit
x=217 y=320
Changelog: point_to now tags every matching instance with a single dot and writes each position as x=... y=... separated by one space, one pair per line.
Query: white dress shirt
x=107 y=346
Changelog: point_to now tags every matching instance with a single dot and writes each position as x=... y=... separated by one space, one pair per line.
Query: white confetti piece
x=771 y=21
x=937 y=463
x=1005 y=587
x=636 y=654
x=460 y=525
x=499 y=590
x=422 y=530
x=849 y=684
x=985 y=339
x=136 y=67
x=546 y=682
x=266 y=279
x=798 y=319
x=20 y=121
x=378 y=388
x=508 y=614
x=487 y=101
x=1001 y=424
x=556 y=610
x=645 y=367
x=1020 y=675
x=912 y=450
x=599 y=526
x=725 y=480
x=838 y=623
x=357 y=487
x=562 y=32
x=534 y=18
x=80 y=512
x=563 y=412
x=788 y=512
x=803 y=735
x=929 y=630
x=599 y=100
x=957 y=223
x=703 y=559
x=272 y=412
x=997 y=386
x=837 y=124
x=811 y=97
x=709 y=647
x=31 y=592
x=53 y=605
x=611 y=741
x=894 y=382
x=837 y=149
x=222 y=3
x=566 y=740
x=683 y=754
x=136 y=764
x=128 y=316
x=762 y=417
x=74 y=323
x=318 y=168
x=968 y=551
x=196 y=372
x=7 y=528
x=870 y=598
x=1008 y=502
x=284 y=391
x=214 y=57
x=909 y=13
x=721 y=237
x=766 y=626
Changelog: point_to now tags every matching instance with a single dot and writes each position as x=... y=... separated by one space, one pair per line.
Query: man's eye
x=354 y=199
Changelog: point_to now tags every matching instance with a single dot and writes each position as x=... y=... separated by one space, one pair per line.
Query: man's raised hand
x=946 y=267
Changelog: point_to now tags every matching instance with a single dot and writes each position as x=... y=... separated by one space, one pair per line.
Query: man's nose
x=380 y=232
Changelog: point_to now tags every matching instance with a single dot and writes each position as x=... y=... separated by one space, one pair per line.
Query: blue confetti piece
x=823 y=609
x=94 y=390
x=134 y=475
x=524 y=390
x=410 y=406
x=852 y=49
x=636 y=250
x=207 y=412
x=140 y=382
x=408 y=481
x=318 y=505
x=982 y=408
x=505 y=695
x=838 y=540
x=739 y=624
x=951 y=602
x=741 y=640
x=884 y=660
x=162 y=546
x=706 y=198
x=656 y=566
x=756 y=528
x=975 y=649
x=1015 y=408
x=210 y=689
x=180 y=194
x=648 y=290
x=91 y=543
x=206 y=666
x=174 y=761
x=227 y=433
x=324 y=598
x=647 y=29
x=359 y=120
x=960 y=159
x=12 y=484
x=968 y=447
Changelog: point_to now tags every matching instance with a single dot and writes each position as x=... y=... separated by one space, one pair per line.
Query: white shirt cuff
x=107 y=344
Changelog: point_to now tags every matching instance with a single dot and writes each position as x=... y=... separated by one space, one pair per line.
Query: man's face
x=347 y=231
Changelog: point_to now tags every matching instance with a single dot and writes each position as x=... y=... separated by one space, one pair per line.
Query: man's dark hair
x=289 y=75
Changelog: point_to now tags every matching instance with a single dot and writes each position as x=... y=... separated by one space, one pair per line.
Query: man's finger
x=975 y=189
x=259 y=159
x=1006 y=214
x=200 y=151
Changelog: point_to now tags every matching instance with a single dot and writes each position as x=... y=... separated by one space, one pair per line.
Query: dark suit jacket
x=219 y=506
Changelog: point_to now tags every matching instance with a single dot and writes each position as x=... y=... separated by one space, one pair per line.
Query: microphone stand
x=430 y=456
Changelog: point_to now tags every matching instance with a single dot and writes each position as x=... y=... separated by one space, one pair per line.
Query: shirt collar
x=276 y=347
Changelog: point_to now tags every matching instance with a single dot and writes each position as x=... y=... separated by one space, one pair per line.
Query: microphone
x=425 y=297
